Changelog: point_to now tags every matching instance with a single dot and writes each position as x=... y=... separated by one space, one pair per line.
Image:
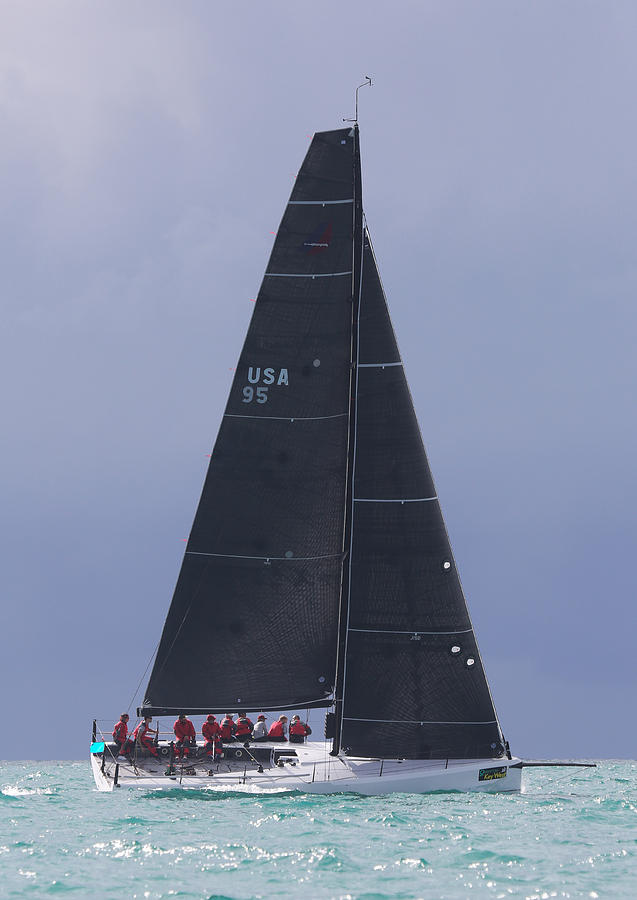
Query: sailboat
x=318 y=572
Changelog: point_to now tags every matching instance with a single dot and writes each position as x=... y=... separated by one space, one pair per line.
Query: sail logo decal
x=319 y=240
x=263 y=379
x=492 y=774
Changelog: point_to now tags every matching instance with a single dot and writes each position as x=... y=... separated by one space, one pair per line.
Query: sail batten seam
x=378 y=365
x=413 y=631
x=286 y=418
x=318 y=202
x=266 y=558
x=305 y=275
x=417 y=721
x=399 y=500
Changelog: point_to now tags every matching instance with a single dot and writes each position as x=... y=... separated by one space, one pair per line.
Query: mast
x=357 y=277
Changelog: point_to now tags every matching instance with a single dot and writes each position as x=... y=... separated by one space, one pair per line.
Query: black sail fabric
x=253 y=620
x=414 y=683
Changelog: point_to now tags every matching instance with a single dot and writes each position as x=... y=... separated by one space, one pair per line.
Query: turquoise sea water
x=572 y=833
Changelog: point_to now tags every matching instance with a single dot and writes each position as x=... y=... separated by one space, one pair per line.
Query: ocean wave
x=14 y=791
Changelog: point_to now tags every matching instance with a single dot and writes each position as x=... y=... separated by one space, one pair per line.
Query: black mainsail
x=254 y=615
x=318 y=570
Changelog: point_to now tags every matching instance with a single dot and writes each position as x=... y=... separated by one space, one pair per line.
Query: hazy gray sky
x=147 y=150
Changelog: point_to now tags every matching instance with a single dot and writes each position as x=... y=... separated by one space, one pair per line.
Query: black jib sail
x=413 y=680
x=253 y=620
x=318 y=569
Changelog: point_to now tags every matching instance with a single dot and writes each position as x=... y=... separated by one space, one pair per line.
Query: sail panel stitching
x=303 y=275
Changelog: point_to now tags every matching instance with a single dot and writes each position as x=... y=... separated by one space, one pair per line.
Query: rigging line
x=194 y=597
x=356 y=312
x=143 y=676
x=555 y=781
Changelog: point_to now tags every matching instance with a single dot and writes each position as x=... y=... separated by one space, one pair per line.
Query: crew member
x=210 y=730
x=227 y=728
x=120 y=734
x=298 y=730
x=185 y=734
x=142 y=737
x=278 y=729
x=260 y=732
x=243 y=727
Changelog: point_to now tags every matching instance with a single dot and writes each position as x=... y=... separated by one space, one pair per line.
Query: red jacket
x=141 y=733
x=184 y=730
x=209 y=730
x=243 y=727
x=120 y=732
x=277 y=730
x=299 y=728
x=227 y=729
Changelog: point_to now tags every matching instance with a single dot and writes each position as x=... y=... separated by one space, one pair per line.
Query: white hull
x=314 y=771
